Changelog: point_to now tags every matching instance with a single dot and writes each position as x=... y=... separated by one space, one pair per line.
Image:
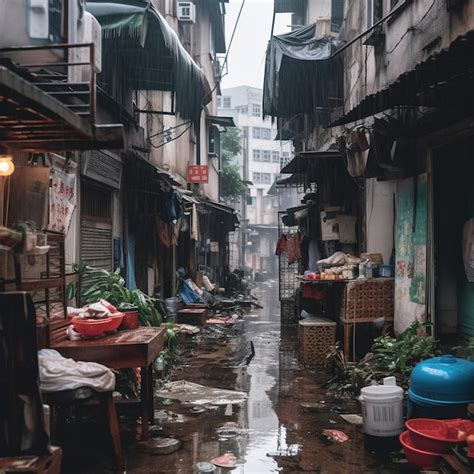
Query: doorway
x=453 y=199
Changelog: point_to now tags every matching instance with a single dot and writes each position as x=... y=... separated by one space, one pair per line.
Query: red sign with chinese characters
x=198 y=174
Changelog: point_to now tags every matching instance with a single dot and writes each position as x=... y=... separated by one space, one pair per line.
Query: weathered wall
x=419 y=30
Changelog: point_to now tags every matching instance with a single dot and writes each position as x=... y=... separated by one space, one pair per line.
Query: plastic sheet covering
x=190 y=392
x=300 y=73
x=138 y=42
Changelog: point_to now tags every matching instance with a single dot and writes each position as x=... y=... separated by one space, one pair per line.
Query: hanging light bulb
x=6 y=165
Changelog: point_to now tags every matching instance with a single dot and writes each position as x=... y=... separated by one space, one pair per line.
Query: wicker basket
x=315 y=336
x=368 y=299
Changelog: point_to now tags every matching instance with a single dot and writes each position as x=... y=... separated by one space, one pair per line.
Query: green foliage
x=466 y=351
x=232 y=185
x=99 y=284
x=388 y=357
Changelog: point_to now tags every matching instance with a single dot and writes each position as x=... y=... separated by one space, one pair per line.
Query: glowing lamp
x=6 y=165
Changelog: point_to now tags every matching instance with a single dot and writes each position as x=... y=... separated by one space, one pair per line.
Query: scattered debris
x=227 y=460
x=165 y=416
x=199 y=394
x=205 y=468
x=162 y=445
x=290 y=451
x=353 y=419
x=336 y=436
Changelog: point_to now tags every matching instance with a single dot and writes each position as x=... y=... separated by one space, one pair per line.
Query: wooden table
x=123 y=350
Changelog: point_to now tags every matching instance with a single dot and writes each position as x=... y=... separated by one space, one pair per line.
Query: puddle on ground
x=278 y=428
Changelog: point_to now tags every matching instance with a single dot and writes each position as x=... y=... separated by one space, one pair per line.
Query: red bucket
x=130 y=320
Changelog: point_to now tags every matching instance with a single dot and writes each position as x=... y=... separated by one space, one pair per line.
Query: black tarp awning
x=140 y=46
x=300 y=73
x=304 y=161
x=228 y=215
x=444 y=81
x=222 y=121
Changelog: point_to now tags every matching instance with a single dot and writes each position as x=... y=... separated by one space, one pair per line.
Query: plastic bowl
x=432 y=435
x=94 y=328
x=117 y=319
x=417 y=457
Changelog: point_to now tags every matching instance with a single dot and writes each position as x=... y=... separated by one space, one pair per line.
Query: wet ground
x=279 y=426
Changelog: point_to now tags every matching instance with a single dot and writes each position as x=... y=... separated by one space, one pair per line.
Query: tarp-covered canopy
x=140 y=47
x=300 y=73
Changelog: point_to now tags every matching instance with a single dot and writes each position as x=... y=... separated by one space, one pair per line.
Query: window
x=266 y=156
x=219 y=102
x=256 y=110
x=275 y=156
x=262 y=133
x=257 y=155
x=262 y=178
x=227 y=102
x=374 y=12
x=243 y=110
x=337 y=15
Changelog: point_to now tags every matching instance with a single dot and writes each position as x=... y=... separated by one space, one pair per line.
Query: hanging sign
x=198 y=174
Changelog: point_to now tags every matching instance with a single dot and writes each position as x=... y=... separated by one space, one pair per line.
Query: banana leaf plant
x=96 y=284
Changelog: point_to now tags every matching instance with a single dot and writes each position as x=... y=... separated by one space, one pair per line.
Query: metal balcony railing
x=61 y=70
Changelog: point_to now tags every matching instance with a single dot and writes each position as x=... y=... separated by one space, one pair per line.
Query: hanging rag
x=281 y=245
x=58 y=373
x=294 y=248
x=164 y=233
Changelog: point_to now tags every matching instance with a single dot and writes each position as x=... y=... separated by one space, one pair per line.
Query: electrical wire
x=218 y=80
x=412 y=28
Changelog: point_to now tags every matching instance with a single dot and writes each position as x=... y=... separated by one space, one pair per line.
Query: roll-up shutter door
x=96 y=226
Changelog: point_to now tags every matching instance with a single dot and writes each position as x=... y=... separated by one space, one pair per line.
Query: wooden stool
x=315 y=337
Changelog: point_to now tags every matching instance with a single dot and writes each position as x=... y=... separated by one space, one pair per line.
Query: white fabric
x=58 y=373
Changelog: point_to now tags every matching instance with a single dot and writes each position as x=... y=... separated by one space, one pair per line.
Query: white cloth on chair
x=58 y=373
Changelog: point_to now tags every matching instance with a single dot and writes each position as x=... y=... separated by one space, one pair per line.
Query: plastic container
x=131 y=319
x=171 y=305
x=97 y=327
x=441 y=387
x=382 y=410
x=385 y=271
x=417 y=457
x=436 y=436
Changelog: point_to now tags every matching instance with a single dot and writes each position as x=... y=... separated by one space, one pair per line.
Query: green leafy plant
x=99 y=284
x=465 y=351
x=388 y=357
x=231 y=183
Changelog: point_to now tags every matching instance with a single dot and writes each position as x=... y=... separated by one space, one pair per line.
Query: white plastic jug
x=382 y=409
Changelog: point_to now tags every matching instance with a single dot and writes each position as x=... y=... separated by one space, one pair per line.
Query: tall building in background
x=260 y=162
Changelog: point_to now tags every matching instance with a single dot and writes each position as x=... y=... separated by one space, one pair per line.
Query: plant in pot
x=96 y=284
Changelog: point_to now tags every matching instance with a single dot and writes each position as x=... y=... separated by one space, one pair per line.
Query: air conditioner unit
x=186 y=12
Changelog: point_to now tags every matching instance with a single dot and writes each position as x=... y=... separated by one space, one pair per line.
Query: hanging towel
x=294 y=248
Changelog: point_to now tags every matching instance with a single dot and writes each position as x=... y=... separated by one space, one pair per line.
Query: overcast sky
x=246 y=62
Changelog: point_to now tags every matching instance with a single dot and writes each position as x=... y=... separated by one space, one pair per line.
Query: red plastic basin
x=97 y=327
x=417 y=457
x=433 y=435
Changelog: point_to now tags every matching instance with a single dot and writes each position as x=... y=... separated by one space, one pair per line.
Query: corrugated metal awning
x=445 y=81
x=303 y=161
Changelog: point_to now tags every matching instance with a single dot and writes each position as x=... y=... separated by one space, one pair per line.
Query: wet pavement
x=277 y=429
